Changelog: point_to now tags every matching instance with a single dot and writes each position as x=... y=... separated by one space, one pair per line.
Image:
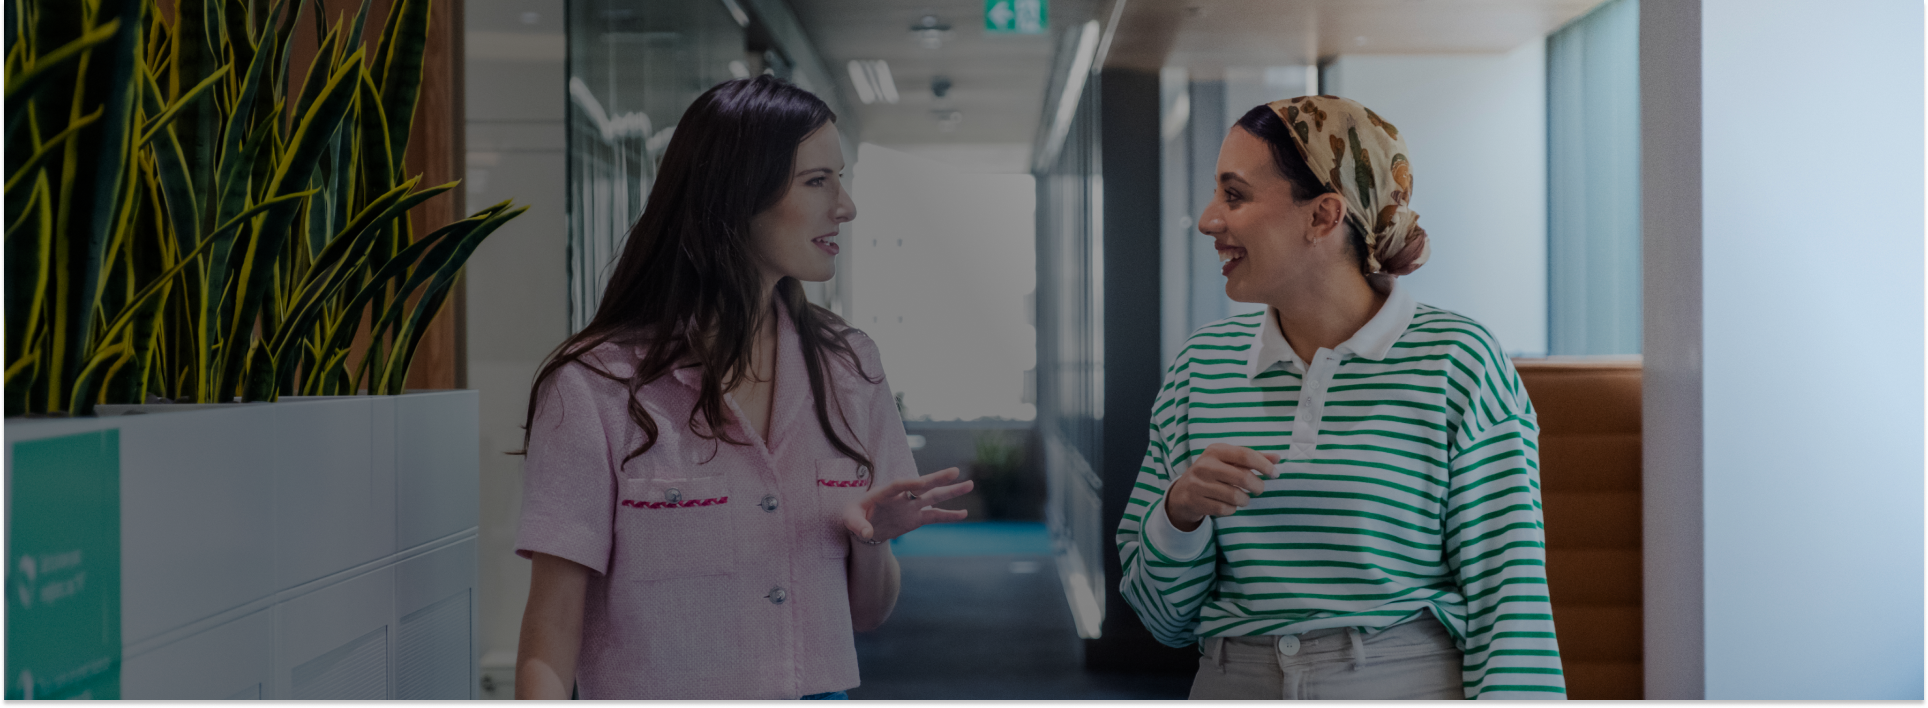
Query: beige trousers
x=1415 y=660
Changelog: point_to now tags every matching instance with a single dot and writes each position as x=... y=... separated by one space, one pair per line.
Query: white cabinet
x=314 y=548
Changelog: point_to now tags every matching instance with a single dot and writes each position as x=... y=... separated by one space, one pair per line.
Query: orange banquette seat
x=1589 y=414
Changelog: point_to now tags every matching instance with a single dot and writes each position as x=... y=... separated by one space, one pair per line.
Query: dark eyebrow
x=824 y=170
x=1230 y=177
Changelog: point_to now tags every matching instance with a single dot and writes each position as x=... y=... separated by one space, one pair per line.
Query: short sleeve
x=883 y=437
x=569 y=475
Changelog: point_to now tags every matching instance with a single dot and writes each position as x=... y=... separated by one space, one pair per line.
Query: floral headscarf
x=1360 y=156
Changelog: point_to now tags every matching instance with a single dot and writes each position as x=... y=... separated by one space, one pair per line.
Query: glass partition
x=634 y=67
x=1070 y=361
x=1593 y=182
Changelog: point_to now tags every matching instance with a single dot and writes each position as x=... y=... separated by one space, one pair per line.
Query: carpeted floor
x=982 y=617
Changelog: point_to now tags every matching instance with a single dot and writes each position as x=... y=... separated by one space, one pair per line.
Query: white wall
x=1812 y=346
x=517 y=280
x=941 y=267
x=1475 y=129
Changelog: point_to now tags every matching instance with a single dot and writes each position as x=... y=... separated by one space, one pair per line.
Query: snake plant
x=185 y=220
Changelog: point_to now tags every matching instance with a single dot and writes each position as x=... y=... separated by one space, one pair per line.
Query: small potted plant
x=998 y=471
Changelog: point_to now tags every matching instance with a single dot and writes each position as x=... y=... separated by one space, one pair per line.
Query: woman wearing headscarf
x=1341 y=495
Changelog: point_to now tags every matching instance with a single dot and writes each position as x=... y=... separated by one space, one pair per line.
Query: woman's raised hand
x=1222 y=480
x=898 y=508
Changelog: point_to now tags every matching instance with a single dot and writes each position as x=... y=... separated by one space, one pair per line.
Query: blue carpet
x=976 y=538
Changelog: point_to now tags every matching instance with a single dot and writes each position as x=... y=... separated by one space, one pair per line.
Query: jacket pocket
x=675 y=527
x=840 y=481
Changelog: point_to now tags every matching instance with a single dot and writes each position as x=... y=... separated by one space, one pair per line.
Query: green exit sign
x=1016 y=16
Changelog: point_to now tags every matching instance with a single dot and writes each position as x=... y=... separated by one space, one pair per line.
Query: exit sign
x=1016 y=16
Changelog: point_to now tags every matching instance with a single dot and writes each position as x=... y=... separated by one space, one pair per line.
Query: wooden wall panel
x=1589 y=415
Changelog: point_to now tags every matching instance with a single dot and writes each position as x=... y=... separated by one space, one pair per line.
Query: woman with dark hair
x=1341 y=496
x=714 y=463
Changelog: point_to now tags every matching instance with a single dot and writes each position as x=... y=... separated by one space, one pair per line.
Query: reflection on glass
x=634 y=67
x=1070 y=364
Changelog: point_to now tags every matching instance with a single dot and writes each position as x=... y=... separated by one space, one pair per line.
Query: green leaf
x=355 y=26
x=155 y=124
x=197 y=53
x=261 y=374
x=283 y=38
x=177 y=184
x=383 y=40
x=317 y=125
x=343 y=332
x=29 y=247
x=379 y=165
x=433 y=296
x=23 y=87
x=88 y=383
x=52 y=147
x=126 y=380
x=239 y=37
x=404 y=43
x=183 y=201
x=320 y=221
x=345 y=253
x=257 y=272
x=235 y=167
x=90 y=206
x=220 y=236
x=241 y=124
x=20 y=375
x=271 y=230
x=318 y=72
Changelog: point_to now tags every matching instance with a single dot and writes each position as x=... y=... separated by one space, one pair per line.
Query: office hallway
x=987 y=627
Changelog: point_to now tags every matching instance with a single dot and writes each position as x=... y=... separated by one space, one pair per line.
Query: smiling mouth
x=826 y=243
x=1229 y=257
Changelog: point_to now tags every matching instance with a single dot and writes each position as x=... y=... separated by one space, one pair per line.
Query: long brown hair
x=686 y=287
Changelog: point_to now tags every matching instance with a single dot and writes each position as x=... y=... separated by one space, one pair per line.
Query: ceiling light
x=861 y=79
x=736 y=13
x=930 y=31
x=886 y=86
x=873 y=81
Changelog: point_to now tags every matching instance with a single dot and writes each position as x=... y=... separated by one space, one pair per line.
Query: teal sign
x=63 y=568
x=1016 y=16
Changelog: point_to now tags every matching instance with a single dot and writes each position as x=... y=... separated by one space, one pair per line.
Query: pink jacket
x=719 y=568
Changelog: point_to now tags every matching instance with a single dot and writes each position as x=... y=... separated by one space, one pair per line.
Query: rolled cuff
x=1168 y=541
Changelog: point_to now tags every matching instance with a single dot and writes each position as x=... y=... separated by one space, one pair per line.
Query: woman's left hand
x=900 y=507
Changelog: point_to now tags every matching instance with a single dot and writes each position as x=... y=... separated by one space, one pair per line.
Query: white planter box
x=310 y=548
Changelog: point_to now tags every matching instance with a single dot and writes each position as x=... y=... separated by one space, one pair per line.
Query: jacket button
x=770 y=503
x=673 y=495
x=777 y=596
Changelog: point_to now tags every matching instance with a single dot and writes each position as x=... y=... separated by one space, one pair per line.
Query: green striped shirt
x=1408 y=482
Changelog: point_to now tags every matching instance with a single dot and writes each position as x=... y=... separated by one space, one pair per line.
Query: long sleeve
x=1163 y=587
x=1495 y=543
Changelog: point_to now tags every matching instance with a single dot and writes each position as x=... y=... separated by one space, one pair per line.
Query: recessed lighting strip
x=1074 y=84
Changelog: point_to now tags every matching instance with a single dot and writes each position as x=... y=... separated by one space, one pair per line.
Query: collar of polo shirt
x=1372 y=341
